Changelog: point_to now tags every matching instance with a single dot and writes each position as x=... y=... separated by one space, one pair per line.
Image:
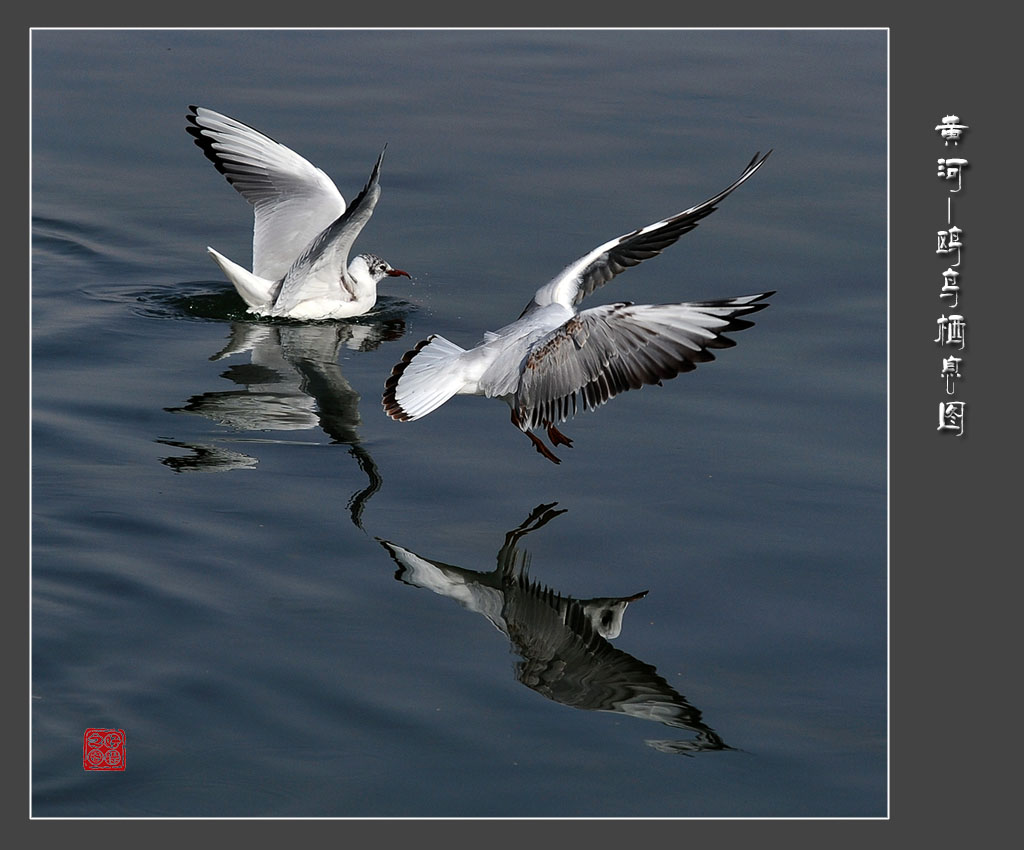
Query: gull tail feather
x=255 y=290
x=425 y=379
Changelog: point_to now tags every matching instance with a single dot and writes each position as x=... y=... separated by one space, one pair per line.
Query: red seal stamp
x=103 y=749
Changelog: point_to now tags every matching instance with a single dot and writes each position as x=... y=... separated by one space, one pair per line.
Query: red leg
x=558 y=438
x=544 y=450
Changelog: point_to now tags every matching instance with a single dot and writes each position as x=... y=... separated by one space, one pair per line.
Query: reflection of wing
x=249 y=410
x=269 y=397
x=245 y=336
x=567 y=661
x=336 y=402
x=358 y=501
x=562 y=640
x=293 y=382
x=337 y=405
x=320 y=342
x=477 y=592
x=206 y=458
x=368 y=335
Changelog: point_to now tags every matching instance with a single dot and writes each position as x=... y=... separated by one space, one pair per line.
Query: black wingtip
x=757 y=161
x=375 y=174
x=203 y=141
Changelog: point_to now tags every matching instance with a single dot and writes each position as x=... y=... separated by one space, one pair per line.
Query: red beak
x=397 y=272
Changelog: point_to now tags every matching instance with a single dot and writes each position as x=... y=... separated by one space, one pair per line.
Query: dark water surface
x=295 y=606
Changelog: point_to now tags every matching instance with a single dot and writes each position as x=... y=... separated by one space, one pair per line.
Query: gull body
x=303 y=232
x=555 y=358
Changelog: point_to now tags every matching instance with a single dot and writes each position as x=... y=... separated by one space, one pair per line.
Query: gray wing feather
x=598 y=267
x=610 y=349
x=331 y=248
x=292 y=199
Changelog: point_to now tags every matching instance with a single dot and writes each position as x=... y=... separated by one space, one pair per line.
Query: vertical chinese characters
x=952 y=327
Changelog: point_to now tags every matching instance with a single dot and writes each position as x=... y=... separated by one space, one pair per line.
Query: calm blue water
x=295 y=606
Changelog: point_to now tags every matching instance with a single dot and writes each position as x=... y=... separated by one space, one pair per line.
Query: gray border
x=946 y=604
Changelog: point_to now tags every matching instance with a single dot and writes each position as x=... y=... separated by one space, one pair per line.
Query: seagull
x=555 y=357
x=303 y=231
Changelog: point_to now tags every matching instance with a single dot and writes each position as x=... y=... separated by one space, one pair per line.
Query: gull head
x=374 y=267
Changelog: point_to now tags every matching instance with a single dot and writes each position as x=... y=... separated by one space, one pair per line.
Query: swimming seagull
x=554 y=357
x=302 y=233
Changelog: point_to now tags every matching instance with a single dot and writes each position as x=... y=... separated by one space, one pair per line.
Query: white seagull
x=303 y=231
x=553 y=355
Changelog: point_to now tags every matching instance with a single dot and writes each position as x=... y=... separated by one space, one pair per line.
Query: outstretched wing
x=607 y=350
x=292 y=199
x=322 y=268
x=582 y=277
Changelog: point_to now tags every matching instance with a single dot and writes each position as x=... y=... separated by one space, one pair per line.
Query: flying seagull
x=303 y=232
x=555 y=357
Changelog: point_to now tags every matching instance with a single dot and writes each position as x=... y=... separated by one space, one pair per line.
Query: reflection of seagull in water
x=206 y=458
x=555 y=357
x=563 y=642
x=293 y=382
x=302 y=234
